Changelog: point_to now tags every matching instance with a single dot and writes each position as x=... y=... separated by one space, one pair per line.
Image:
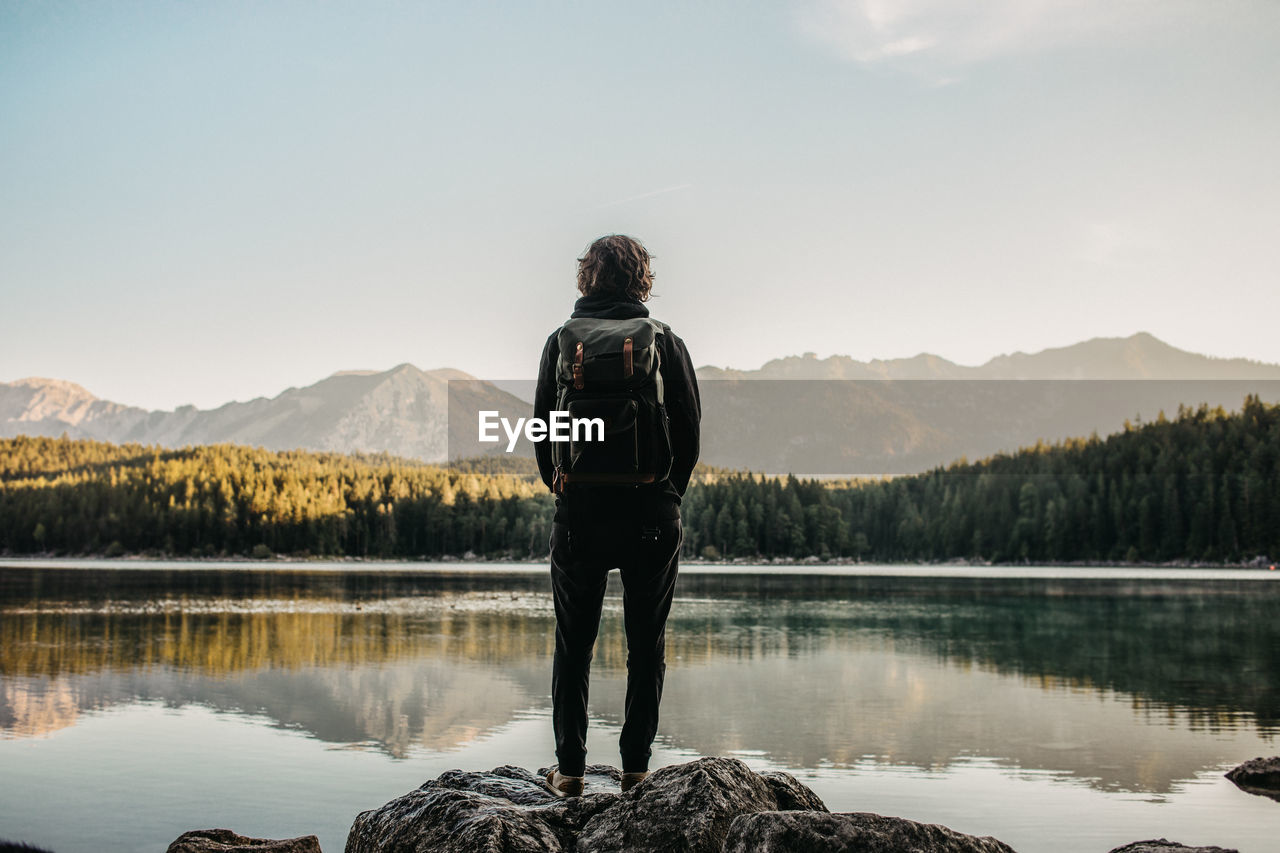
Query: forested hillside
x=1203 y=486
x=75 y=496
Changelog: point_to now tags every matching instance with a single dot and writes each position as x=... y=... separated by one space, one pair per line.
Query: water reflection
x=1119 y=691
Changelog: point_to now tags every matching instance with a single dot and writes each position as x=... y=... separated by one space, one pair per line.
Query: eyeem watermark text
x=560 y=427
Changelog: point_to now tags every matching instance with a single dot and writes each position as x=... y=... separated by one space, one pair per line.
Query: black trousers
x=647 y=553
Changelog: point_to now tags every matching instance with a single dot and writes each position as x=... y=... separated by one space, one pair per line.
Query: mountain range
x=403 y=411
x=1139 y=356
x=802 y=427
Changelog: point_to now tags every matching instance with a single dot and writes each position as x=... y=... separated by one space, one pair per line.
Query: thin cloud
x=649 y=194
x=937 y=36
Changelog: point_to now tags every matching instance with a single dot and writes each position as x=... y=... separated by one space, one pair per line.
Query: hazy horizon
x=213 y=203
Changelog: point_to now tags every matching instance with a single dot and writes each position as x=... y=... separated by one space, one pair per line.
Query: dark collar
x=609 y=307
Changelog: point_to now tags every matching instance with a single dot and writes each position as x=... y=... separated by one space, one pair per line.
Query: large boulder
x=685 y=807
x=688 y=807
x=818 y=832
x=226 y=841
x=1259 y=776
x=437 y=817
x=1163 y=845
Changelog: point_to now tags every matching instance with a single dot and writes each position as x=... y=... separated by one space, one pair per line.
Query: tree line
x=93 y=497
x=1203 y=486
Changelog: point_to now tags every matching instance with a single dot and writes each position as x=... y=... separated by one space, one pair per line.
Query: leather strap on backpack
x=627 y=367
x=578 y=379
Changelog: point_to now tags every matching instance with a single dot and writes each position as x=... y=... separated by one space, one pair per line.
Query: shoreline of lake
x=1261 y=562
x=793 y=569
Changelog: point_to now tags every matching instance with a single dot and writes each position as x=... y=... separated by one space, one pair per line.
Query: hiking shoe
x=565 y=786
x=630 y=780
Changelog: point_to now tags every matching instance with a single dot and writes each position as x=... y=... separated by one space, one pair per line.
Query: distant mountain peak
x=36 y=398
x=51 y=385
x=406 y=367
x=1139 y=356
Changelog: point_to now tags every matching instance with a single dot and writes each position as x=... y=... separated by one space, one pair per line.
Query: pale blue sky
x=210 y=201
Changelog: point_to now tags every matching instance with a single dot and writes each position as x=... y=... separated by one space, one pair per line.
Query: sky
x=209 y=201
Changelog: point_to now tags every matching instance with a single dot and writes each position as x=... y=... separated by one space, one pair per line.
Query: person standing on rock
x=628 y=382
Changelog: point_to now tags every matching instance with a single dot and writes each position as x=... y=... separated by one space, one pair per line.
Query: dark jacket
x=684 y=408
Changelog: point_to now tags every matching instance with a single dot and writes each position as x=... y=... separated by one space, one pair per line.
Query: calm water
x=1055 y=709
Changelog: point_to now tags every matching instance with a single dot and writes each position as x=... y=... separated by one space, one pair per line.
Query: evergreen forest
x=1202 y=486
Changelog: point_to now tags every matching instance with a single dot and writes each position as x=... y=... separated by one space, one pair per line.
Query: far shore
x=1259 y=566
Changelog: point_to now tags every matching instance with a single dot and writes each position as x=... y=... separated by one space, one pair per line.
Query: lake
x=1056 y=709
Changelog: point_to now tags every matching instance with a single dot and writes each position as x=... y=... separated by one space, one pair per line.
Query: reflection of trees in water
x=220 y=643
x=905 y=679
x=393 y=682
x=865 y=702
x=433 y=680
x=1215 y=657
x=1102 y=689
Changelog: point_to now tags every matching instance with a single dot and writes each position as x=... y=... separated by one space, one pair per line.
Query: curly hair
x=616 y=265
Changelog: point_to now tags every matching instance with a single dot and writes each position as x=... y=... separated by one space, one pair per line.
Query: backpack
x=611 y=370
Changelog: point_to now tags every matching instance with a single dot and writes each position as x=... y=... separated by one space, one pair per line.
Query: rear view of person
x=618 y=491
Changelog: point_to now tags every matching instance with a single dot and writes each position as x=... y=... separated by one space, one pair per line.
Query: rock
x=437 y=817
x=1162 y=845
x=514 y=784
x=790 y=794
x=685 y=807
x=819 y=832
x=20 y=847
x=1259 y=776
x=226 y=841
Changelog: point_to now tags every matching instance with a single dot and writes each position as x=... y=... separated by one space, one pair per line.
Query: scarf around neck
x=609 y=307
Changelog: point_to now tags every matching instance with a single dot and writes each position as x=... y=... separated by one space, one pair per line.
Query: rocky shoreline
x=710 y=805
